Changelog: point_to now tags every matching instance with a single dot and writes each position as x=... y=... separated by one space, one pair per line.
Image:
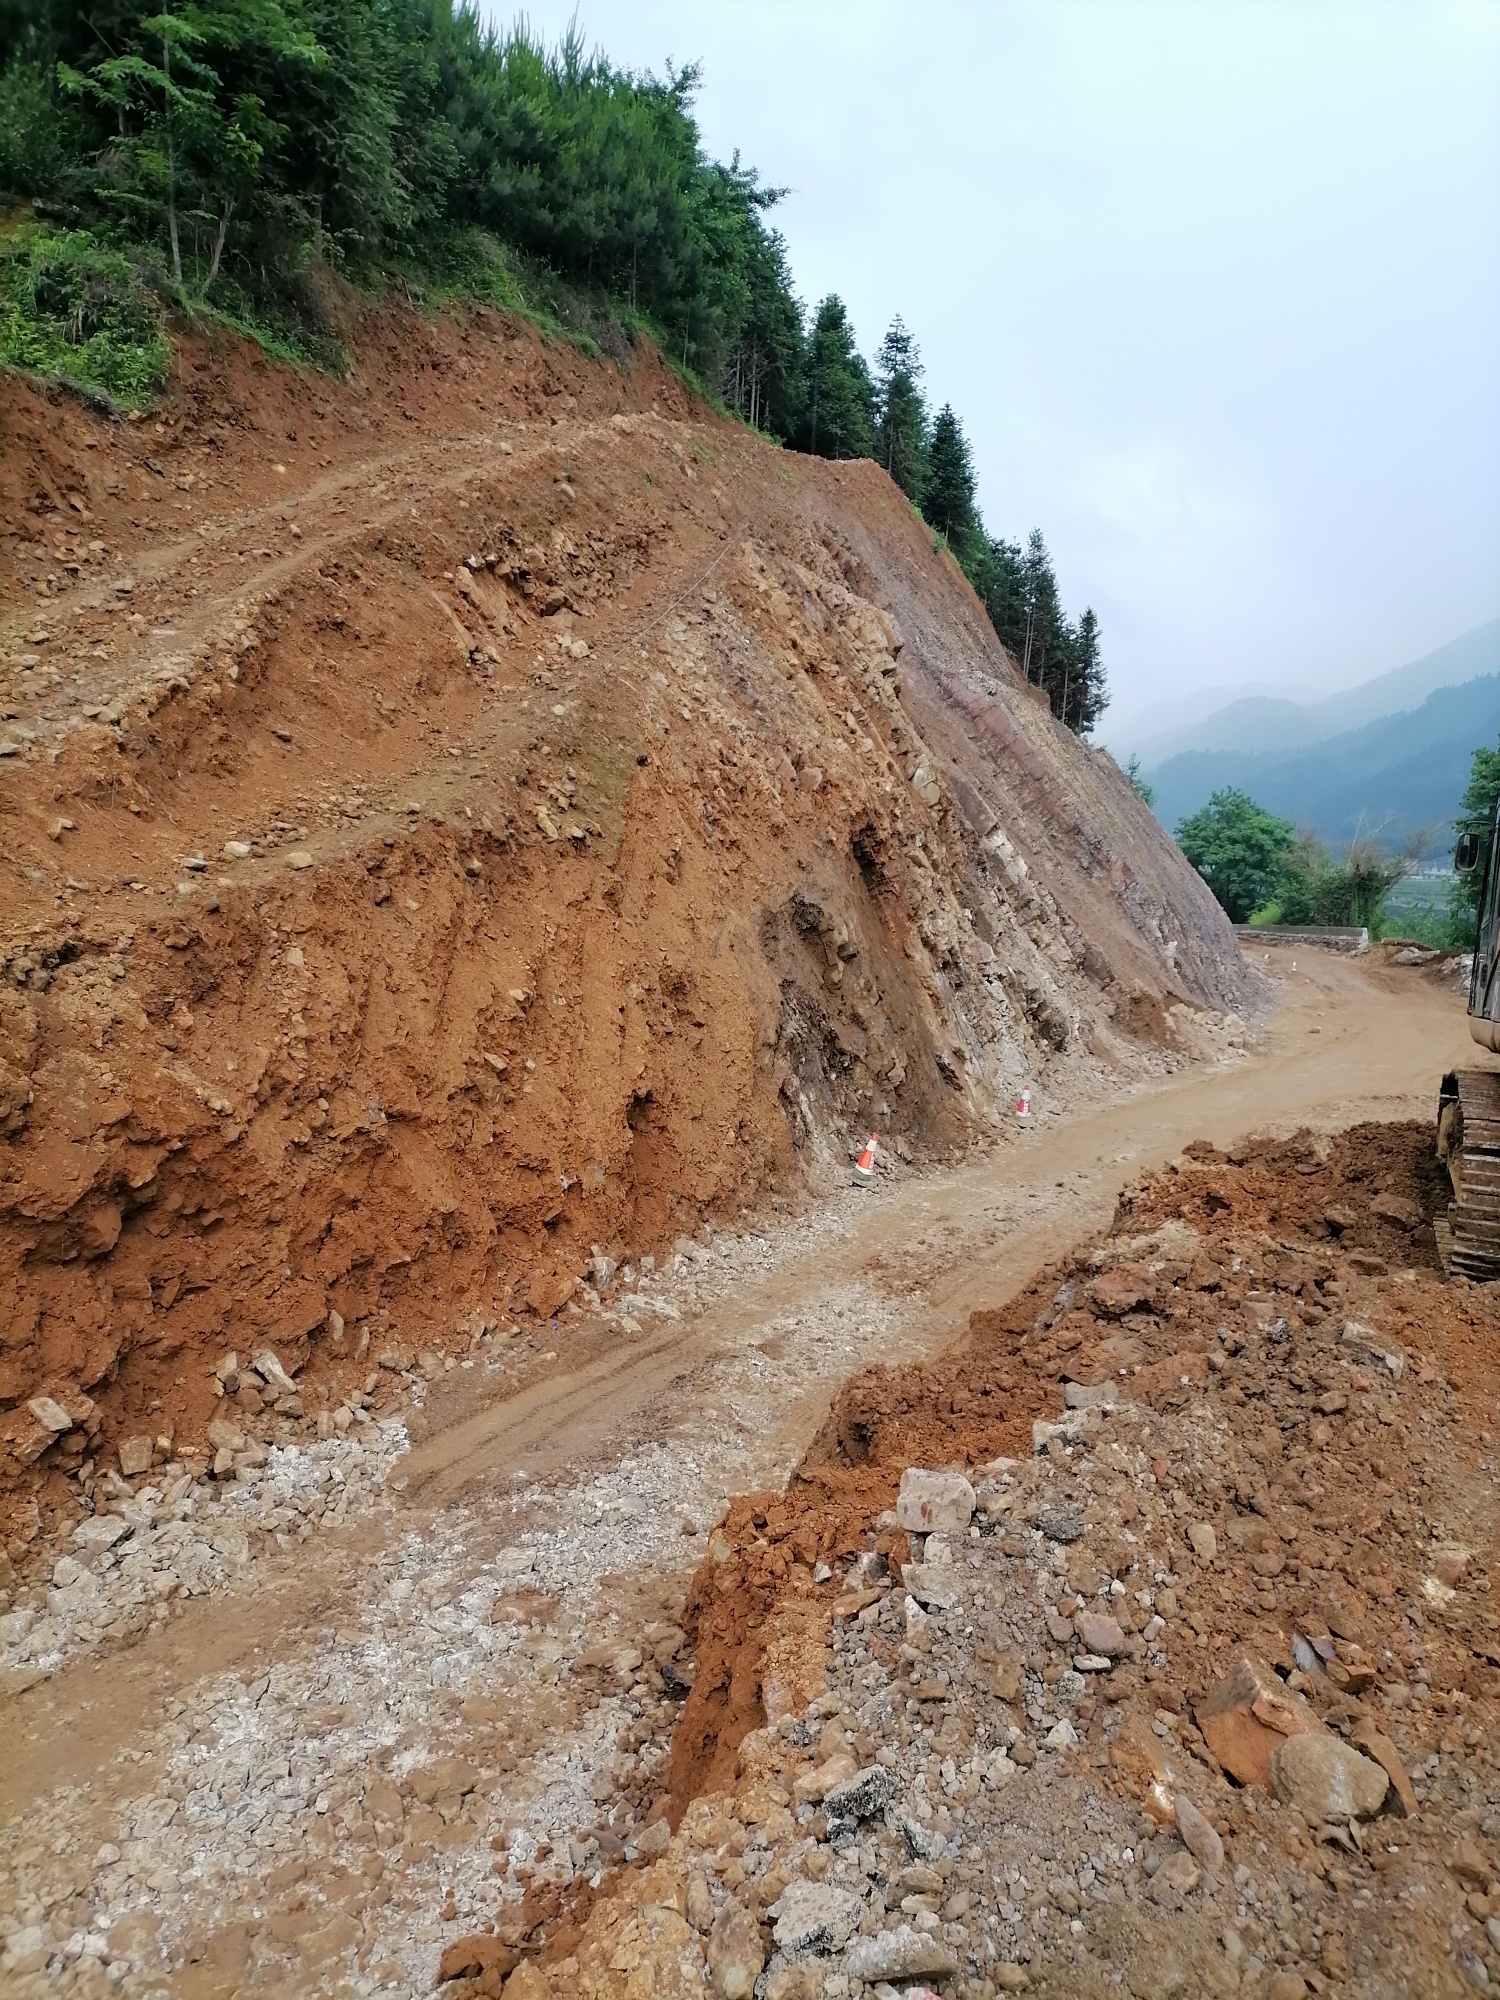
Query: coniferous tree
x=1042 y=611
x=994 y=568
x=764 y=375
x=901 y=411
x=837 y=402
x=1090 y=691
x=948 y=502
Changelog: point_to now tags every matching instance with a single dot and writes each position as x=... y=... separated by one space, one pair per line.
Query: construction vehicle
x=1468 y=1130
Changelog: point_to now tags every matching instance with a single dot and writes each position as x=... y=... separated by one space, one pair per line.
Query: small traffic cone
x=864 y=1166
x=1023 y=1105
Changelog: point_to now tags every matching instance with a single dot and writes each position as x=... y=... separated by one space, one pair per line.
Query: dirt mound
x=1272 y=1451
x=1368 y=1194
x=461 y=824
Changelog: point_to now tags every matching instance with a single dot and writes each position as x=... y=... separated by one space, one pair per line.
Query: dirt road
x=1347 y=1043
x=232 y=1773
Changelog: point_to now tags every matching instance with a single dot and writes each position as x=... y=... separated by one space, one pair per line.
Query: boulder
x=868 y=1792
x=99 y=1532
x=931 y=1584
x=1098 y=1633
x=271 y=1372
x=903 y=1953
x=934 y=1502
x=135 y=1456
x=1324 y=1779
x=815 y=1916
x=50 y=1415
x=1248 y=1715
x=736 y=1953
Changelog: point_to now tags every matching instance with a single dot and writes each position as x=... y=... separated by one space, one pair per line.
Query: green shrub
x=70 y=308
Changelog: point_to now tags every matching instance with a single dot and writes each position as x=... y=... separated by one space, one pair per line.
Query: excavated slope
x=484 y=812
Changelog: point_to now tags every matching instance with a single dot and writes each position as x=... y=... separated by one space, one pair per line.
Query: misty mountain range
x=1387 y=758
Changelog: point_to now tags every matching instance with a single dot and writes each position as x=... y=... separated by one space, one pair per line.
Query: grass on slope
x=99 y=321
x=74 y=311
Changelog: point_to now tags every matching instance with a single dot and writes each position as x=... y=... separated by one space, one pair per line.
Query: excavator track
x=1469 y=1146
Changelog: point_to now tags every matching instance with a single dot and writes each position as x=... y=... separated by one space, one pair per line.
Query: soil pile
x=1197 y=1691
x=461 y=824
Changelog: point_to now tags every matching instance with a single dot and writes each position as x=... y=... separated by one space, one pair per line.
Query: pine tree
x=1090 y=693
x=1042 y=611
x=948 y=502
x=837 y=404
x=994 y=567
x=764 y=374
x=901 y=411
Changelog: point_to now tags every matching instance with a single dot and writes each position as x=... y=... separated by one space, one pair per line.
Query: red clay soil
x=1361 y=1202
x=482 y=810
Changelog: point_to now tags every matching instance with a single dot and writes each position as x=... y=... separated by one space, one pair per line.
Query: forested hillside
x=239 y=160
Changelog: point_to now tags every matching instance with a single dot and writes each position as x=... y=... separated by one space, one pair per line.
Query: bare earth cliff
x=459 y=825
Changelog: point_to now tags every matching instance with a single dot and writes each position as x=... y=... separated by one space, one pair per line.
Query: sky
x=1214 y=286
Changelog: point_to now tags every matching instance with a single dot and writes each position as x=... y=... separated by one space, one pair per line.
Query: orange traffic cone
x=864 y=1166
x=1023 y=1105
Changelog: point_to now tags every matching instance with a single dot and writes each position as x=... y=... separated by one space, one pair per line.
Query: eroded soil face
x=1252 y=1422
x=480 y=844
x=463 y=825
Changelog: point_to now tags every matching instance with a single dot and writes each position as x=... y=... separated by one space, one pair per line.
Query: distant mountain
x=1146 y=728
x=1268 y=719
x=1390 y=778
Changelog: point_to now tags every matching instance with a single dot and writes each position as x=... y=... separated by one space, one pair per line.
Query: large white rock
x=815 y=1916
x=933 y=1585
x=904 y=1953
x=1319 y=1774
x=99 y=1532
x=271 y=1372
x=934 y=1502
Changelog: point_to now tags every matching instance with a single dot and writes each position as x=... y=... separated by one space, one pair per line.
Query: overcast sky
x=1213 y=284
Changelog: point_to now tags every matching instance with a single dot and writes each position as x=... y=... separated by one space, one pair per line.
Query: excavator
x=1468 y=1130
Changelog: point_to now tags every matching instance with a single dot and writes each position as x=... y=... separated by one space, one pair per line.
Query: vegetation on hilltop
x=1263 y=871
x=218 y=156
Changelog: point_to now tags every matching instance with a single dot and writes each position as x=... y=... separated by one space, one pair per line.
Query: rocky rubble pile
x=179 y=1520
x=405 y=1715
x=177 y=1534
x=1196 y=1695
x=486 y=1725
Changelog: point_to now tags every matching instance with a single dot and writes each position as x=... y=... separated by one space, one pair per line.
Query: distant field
x=1420 y=893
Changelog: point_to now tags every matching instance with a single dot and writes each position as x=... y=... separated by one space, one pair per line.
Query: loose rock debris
x=1194 y=1691
x=487 y=1773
